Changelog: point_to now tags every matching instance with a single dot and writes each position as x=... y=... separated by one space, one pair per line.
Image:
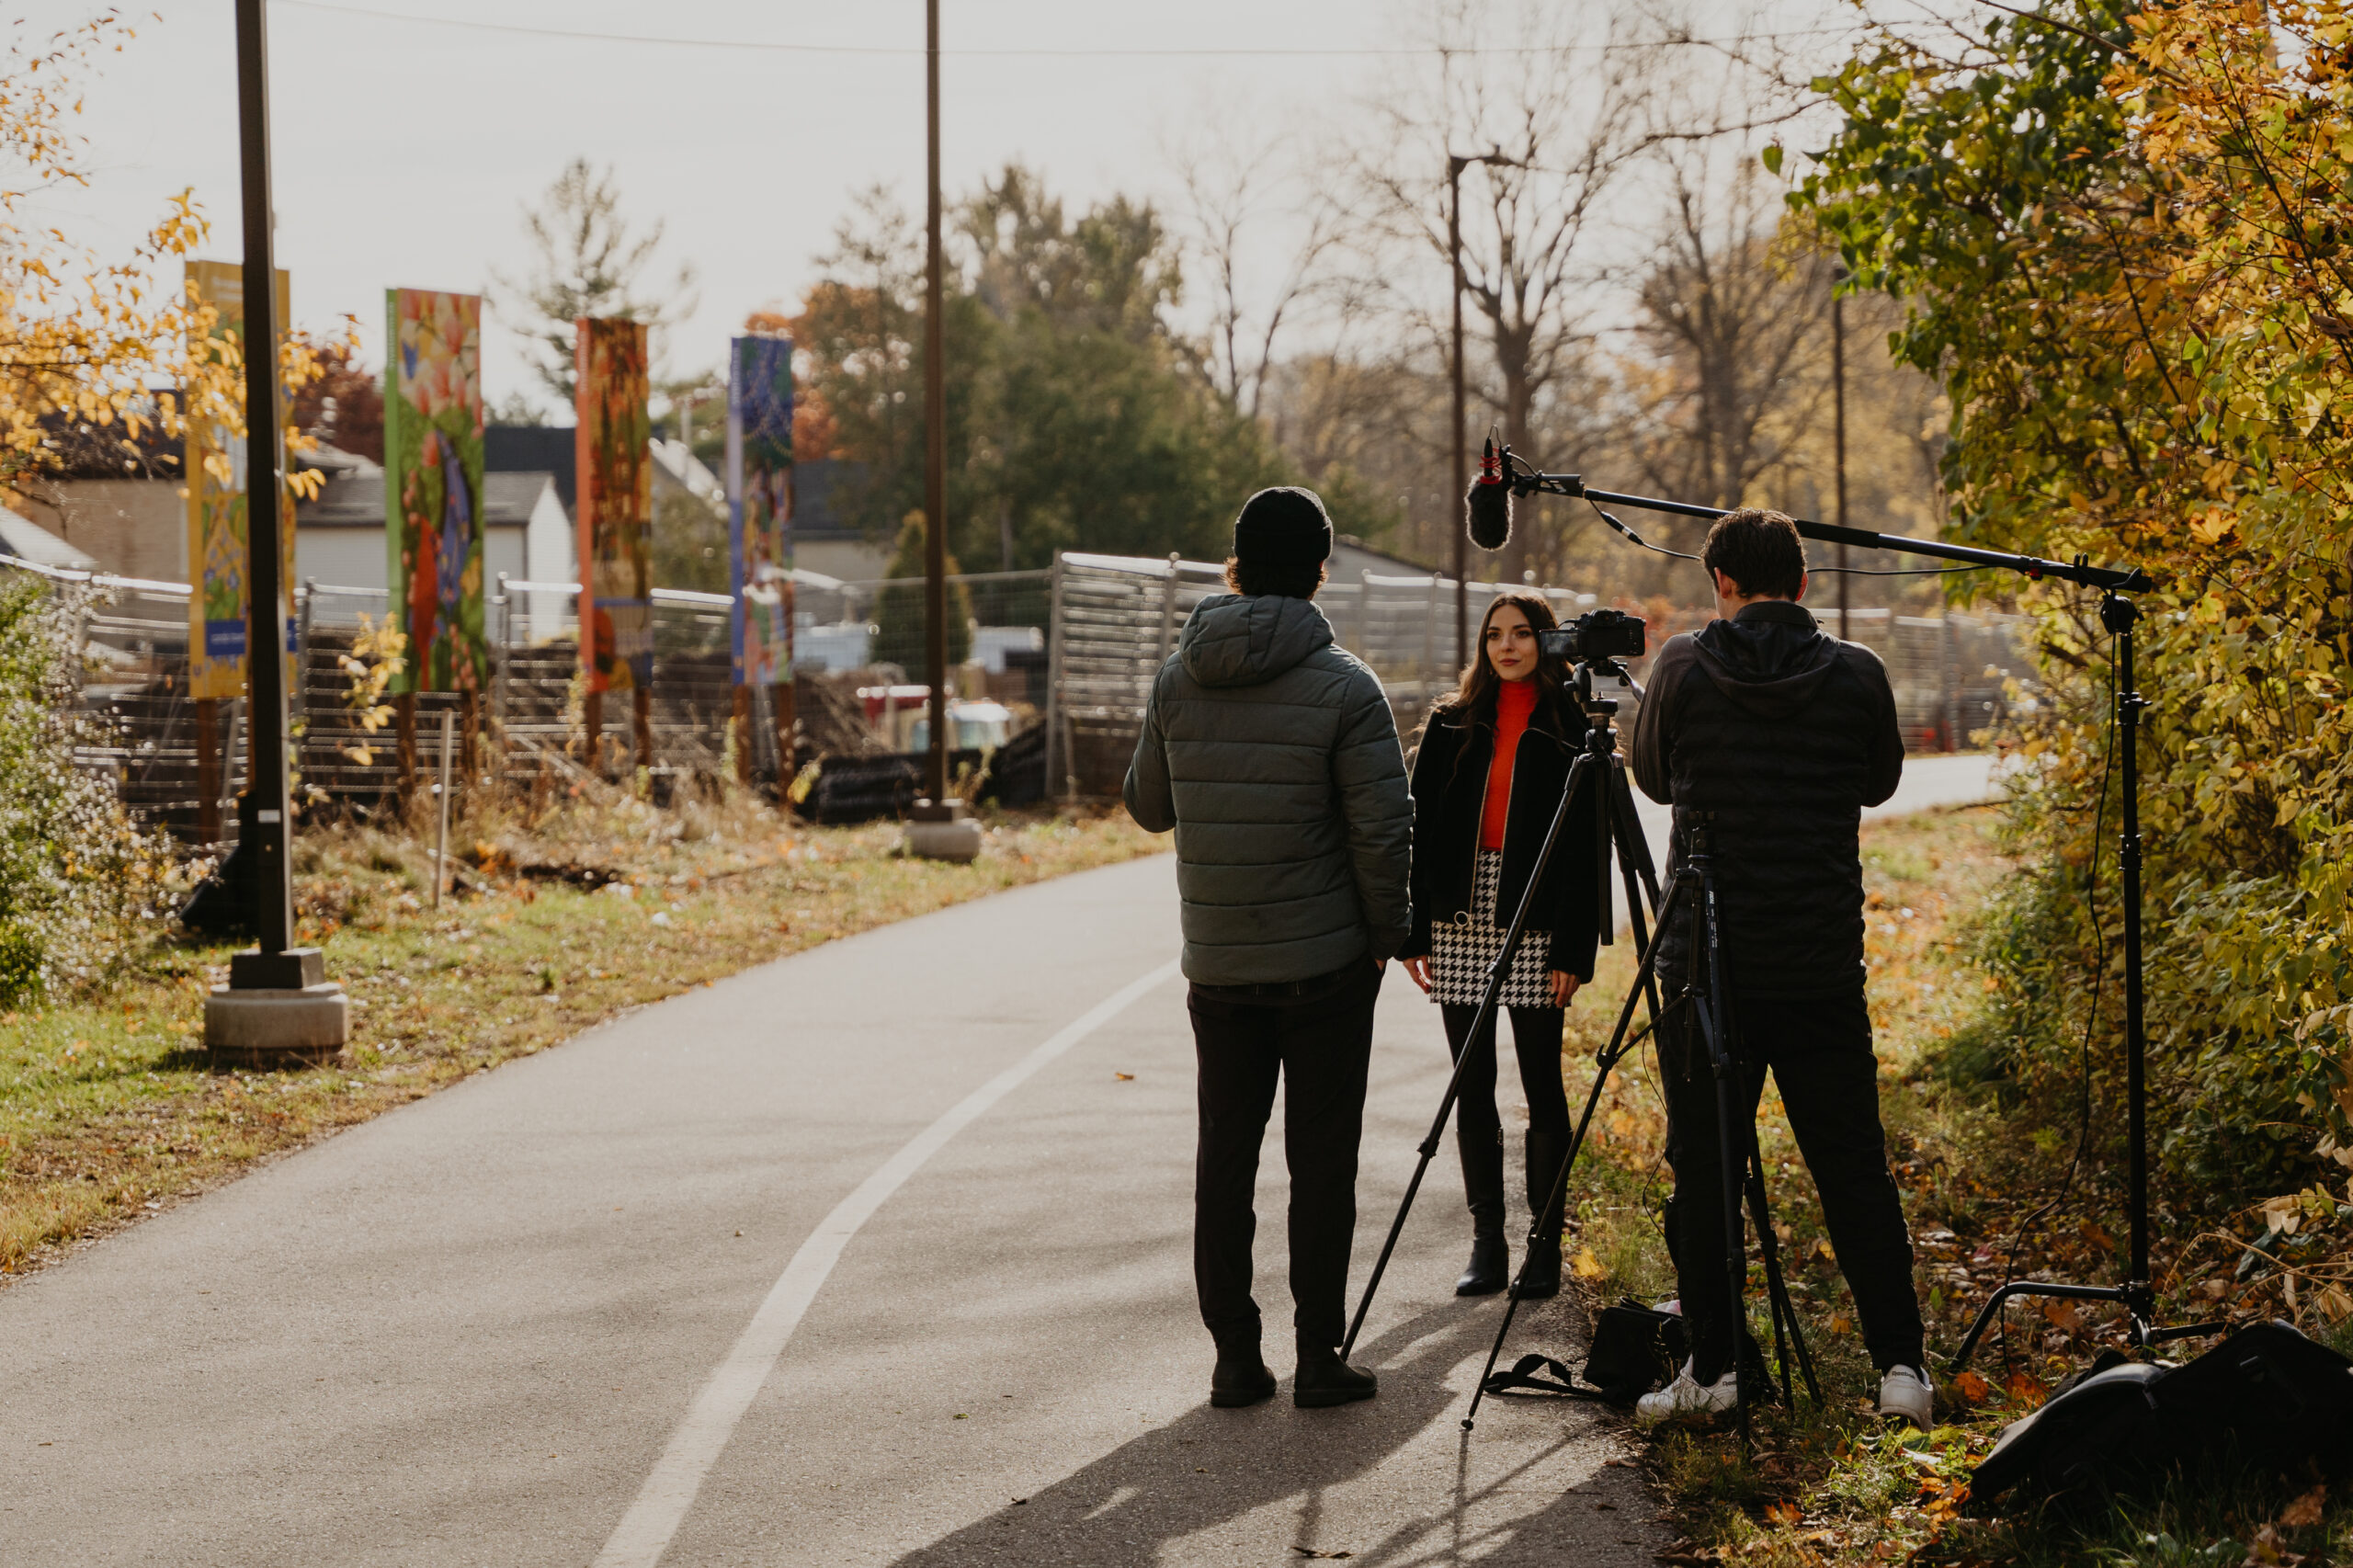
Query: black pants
x=1479 y=1132
x=1819 y=1051
x=1320 y=1049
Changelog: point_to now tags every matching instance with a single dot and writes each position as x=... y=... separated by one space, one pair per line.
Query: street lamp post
x=278 y=1006
x=1455 y=164
x=938 y=828
x=1838 y=428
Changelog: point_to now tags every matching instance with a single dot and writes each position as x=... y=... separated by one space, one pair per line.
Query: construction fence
x=1070 y=650
x=1113 y=622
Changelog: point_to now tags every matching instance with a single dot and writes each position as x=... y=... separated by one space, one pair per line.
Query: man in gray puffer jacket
x=1274 y=755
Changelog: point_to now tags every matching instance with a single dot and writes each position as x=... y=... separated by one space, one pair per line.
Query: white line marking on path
x=645 y=1530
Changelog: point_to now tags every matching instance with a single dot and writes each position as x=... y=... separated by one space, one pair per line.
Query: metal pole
x=265 y=804
x=1838 y=437
x=1462 y=450
x=935 y=409
x=441 y=833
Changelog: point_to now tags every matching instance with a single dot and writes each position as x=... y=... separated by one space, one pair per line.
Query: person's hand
x=1419 y=969
x=1565 y=985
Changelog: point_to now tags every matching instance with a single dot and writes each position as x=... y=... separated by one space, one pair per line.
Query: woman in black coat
x=1487 y=776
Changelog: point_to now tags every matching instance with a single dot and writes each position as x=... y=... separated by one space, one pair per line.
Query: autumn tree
x=2134 y=289
x=588 y=260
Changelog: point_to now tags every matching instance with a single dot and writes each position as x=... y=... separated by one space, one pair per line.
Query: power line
x=760 y=46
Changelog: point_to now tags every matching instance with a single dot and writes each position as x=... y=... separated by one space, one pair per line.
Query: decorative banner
x=616 y=505
x=760 y=507
x=216 y=506
x=433 y=518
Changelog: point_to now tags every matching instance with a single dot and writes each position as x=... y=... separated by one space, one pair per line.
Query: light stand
x=2118 y=615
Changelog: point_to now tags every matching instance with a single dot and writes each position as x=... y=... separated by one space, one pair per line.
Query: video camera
x=1597 y=634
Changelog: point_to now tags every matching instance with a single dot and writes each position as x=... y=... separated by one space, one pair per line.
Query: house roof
x=533 y=448
x=358 y=502
x=28 y=540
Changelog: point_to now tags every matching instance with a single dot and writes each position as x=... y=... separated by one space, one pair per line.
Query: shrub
x=78 y=882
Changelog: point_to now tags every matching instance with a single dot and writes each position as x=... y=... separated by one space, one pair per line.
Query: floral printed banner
x=213 y=461
x=432 y=465
x=616 y=505
x=760 y=507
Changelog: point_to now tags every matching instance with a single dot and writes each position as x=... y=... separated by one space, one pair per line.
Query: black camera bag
x=1635 y=1349
x=2267 y=1392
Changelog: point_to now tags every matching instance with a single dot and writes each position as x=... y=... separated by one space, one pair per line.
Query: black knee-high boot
x=1482 y=1148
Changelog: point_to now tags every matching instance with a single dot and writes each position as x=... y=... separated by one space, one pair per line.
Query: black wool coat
x=1450 y=794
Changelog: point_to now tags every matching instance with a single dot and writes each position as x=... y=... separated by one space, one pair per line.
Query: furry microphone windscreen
x=1488 y=504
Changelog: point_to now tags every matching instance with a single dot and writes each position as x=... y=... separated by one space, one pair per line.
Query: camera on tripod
x=1597 y=634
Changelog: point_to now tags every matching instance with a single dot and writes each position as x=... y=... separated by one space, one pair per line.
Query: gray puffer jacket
x=1274 y=755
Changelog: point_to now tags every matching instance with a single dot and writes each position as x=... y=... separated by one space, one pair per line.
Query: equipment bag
x=1635 y=1349
x=2267 y=1391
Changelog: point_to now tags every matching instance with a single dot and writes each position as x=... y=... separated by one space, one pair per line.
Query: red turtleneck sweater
x=1514 y=703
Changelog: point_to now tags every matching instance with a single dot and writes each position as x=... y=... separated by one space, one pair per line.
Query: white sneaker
x=1687 y=1396
x=1907 y=1393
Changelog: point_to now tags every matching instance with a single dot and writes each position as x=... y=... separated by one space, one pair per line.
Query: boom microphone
x=1488 y=503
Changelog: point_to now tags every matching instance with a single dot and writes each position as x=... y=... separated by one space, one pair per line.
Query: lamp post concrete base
x=938 y=830
x=276 y=1028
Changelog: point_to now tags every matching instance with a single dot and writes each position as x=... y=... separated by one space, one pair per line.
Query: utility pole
x=1838 y=428
x=938 y=829
x=1455 y=164
x=276 y=1005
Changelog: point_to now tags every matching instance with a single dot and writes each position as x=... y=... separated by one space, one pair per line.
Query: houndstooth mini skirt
x=1464 y=950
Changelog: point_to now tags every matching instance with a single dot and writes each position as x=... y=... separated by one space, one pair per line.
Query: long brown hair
x=1474 y=700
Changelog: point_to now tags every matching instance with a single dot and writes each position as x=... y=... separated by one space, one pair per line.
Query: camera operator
x=1772 y=736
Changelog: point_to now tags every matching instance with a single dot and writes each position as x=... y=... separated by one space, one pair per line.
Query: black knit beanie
x=1284 y=527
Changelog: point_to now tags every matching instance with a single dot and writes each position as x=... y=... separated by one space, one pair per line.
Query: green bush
x=78 y=882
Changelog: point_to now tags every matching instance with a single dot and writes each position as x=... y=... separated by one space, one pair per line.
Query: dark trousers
x=1479 y=1132
x=1320 y=1049
x=1819 y=1049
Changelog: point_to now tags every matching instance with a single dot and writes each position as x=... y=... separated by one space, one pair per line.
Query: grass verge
x=1987 y=1190
x=108 y=1108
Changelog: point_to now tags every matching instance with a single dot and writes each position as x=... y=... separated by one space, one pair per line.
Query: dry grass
x=108 y=1108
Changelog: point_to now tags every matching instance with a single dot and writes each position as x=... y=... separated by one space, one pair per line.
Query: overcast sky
x=406 y=145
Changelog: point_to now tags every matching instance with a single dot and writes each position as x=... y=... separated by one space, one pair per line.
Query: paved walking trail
x=872 y=1255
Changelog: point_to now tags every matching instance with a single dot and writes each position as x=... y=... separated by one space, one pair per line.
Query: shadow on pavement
x=1211 y=1468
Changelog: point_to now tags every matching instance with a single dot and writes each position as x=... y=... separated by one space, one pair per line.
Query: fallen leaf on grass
x=2305 y=1512
x=2026 y=1389
x=1587 y=1266
x=1841 y=1324
x=1972 y=1389
x=1782 y=1514
x=2266 y=1551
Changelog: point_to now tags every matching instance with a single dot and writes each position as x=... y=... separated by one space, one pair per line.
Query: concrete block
x=956 y=840
x=277 y=1029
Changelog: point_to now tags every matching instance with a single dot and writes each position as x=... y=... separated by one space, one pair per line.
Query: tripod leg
x=1607 y=1059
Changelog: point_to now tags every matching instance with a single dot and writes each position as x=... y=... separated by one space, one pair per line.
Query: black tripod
x=1616 y=827
x=1691 y=894
x=2117 y=614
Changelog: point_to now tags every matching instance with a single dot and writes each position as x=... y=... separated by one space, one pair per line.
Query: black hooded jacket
x=1450 y=797
x=1774 y=735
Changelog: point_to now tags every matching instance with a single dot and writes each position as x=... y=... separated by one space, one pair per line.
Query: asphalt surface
x=471 y=1332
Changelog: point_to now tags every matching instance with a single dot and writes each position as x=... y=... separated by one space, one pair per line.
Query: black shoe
x=1240 y=1379
x=1540 y=1275
x=1324 y=1379
x=1490 y=1268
